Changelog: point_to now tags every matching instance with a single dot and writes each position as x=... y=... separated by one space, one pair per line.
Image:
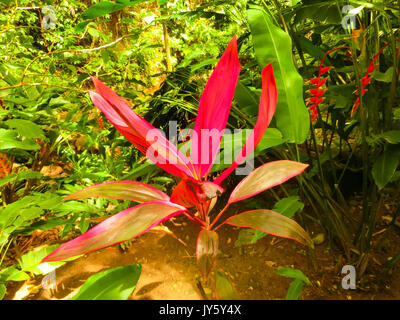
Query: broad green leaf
x=123 y=190
x=271 y=222
x=9 y=140
x=113 y=284
x=288 y=206
x=23 y=175
x=31 y=261
x=384 y=77
x=26 y=128
x=272 y=138
x=385 y=166
x=247 y=101
x=392 y=136
x=313 y=50
x=293 y=273
x=122 y=226
x=294 y=290
x=296 y=286
x=17 y=275
x=265 y=177
x=272 y=44
x=225 y=289
x=206 y=251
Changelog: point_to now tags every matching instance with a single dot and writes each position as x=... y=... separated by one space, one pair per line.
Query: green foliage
x=113 y=284
x=272 y=44
x=295 y=288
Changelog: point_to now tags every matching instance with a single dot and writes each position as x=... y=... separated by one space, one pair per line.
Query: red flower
x=317 y=92
x=367 y=78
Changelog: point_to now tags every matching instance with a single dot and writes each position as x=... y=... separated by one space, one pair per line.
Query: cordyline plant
x=194 y=196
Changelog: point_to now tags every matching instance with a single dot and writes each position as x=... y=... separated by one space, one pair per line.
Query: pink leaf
x=265 y=177
x=214 y=108
x=271 y=222
x=206 y=251
x=122 y=190
x=149 y=140
x=265 y=113
x=123 y=226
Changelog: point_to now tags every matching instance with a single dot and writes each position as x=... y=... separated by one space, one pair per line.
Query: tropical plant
x=194 y=196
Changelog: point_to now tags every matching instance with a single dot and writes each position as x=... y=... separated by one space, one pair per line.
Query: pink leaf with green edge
x=224 y=287
x=214 y=108
x=266 y=111
x=190 y=192
x=121 y=227
x=149 y=140
x=267 y=176
x=206 y=251
x=121 y=190
x=271 y=222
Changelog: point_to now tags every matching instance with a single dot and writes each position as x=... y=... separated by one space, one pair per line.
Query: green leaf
x=31 y=261
x=392 y=136
x=113 y=284
x=294 y=290
x=225 y=289
x=296 y=286
x=313 y=50
x=385 y=166
x=272 y=138
x=23 y=175
x=384 y=77
x=13 y=274
x=288 y=206
x=293 y=273
x=26 y=128
x=246 y=99
x=272 y=44
x=9 y=140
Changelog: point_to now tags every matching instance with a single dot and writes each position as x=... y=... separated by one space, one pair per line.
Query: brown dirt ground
x=170 y=271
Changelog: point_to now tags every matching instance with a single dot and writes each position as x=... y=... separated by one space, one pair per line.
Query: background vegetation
x=158 y=56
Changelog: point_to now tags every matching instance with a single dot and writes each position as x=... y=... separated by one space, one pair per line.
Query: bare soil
x=169 y=269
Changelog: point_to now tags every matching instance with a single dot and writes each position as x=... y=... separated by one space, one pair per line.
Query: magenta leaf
x=206 y=251
x=214 y=108
x=266 y=111
x=265 y=177
x=271 y=222
x=122 y=190
x=149 y=140
x=123 y=226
